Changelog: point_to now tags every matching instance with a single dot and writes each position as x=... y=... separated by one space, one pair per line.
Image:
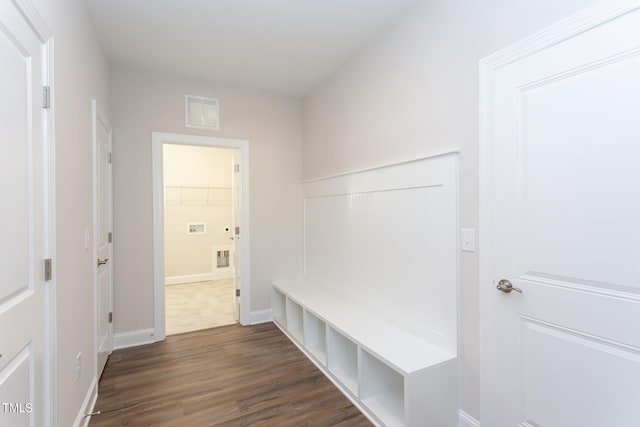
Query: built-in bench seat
x=377 y=307
x=394 y=377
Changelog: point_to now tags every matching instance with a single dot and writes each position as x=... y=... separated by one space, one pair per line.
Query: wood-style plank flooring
x=227 y=376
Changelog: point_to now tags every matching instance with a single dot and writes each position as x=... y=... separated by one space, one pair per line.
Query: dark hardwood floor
x=227 y=376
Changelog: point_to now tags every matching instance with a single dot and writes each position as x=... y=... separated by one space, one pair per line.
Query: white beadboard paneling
x=386 y=239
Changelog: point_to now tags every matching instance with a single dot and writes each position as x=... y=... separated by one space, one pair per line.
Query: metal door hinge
x=110 y=317
x=47 y=269
x=110 y=237
x=237 y=231
x=109 y=157
x=46 y=97
x=236 y=168
x=237 y=292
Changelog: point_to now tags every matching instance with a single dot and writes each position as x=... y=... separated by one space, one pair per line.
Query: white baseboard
x=177 y=280
x=261 y=316
x=466 y=420
x=88 y=404
x=225 y=273
x=133 y=338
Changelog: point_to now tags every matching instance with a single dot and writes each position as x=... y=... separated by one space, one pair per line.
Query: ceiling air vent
x=201 y=112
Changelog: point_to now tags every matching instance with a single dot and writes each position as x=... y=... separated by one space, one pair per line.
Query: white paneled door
x=561 y=276
x=24 y=220
x=103 y=237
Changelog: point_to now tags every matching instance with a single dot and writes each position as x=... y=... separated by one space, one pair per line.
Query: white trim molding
x=89 y=402
x=261 y=316
x=133 y=338
x=383 y=165
x=581 y=22
x=572 y=26
x=189 y=278
x=51 y=291
x=466 y=420
x=37 y=22
x=158 y=139
x=192 y=278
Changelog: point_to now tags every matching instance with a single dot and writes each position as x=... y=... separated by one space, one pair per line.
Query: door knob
x=505 y=286
x=102 y=261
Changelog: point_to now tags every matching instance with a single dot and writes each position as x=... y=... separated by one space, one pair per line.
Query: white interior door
x=565 y=203
x=237 y=216
x=103 y=238
x=24 y=223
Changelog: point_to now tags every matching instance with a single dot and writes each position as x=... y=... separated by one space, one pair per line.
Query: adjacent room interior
x=198 y=237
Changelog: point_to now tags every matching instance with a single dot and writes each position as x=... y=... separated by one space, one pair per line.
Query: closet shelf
x=197 y=196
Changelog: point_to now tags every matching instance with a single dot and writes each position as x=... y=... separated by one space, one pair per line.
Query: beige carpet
x=201 y=305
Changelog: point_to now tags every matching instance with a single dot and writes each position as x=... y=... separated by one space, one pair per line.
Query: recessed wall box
x=197 y=228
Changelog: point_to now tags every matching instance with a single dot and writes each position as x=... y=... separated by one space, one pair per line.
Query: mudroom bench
x=393 y=377
x=376 y=308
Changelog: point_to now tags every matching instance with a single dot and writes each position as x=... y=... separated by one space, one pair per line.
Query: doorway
x=103 y=237
x=198 y=237
x=200 y=215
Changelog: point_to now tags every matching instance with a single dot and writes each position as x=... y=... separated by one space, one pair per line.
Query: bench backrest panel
x=387 y=239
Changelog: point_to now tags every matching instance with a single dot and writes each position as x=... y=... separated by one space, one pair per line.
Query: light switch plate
x=468 y=236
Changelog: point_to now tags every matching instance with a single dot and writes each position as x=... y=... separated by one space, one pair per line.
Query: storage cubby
x=278 y=301
x=382 y=390
x=315 y=336
x=294 y=319
x=393 y=377
x=342 y=359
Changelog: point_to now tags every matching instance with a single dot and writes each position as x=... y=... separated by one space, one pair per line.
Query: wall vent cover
x=201 y=112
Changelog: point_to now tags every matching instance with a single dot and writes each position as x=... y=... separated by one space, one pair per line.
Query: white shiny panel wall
x=386 y=238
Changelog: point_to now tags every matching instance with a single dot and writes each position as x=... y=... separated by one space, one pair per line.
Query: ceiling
x=284 y=46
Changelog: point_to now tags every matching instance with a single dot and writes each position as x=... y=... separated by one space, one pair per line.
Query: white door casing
x=102 y=245
x=236 y=189
x=26 y=367
x=157 y=141
x=560 y=192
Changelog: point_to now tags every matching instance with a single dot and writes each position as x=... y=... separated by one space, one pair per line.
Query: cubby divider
x=342 y=359
x=382 y=389
x=278 y=304
x=315 y=336
x=294 y=319
x=394 y=378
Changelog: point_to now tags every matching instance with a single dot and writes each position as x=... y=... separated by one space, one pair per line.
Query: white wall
x=80 y=74
x=198 y=189
x=415 y=92
x=142 y=102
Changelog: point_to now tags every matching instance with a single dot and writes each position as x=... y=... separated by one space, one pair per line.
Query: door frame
x=589 y=18
x=97 y=115
x=158 y=139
